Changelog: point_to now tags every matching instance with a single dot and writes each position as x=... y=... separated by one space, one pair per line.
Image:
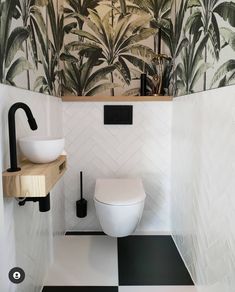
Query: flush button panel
x=118 y=114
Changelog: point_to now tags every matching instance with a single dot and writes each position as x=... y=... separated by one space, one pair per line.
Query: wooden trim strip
x=71 y=98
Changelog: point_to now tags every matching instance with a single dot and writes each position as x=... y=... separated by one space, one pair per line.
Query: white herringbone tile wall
x=203 y=199
x=26 y=235
x=140 y=150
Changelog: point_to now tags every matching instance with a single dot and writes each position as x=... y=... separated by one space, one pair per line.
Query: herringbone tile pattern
x=141 y=150
x=203 y=207
x=27 y=236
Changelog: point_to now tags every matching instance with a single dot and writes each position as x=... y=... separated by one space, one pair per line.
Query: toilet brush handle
x=81 y=205
x=81 y=185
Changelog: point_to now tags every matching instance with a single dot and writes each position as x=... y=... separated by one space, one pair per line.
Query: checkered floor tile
x=98 y=263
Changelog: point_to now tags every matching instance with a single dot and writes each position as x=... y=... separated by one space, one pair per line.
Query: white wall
x=203 y=200
x=27 y=234
x=203 y=172
x=141 y=150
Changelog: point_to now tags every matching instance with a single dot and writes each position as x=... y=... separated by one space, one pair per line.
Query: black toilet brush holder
x=81 y=205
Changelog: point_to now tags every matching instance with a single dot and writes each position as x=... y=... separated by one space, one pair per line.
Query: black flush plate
x=118 y=114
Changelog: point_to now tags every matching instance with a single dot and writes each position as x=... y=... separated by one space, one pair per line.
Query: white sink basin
x=41 y=149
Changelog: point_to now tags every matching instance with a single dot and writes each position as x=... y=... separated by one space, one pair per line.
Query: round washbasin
x=41 y=149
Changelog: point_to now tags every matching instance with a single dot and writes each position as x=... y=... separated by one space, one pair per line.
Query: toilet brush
x=82 y=203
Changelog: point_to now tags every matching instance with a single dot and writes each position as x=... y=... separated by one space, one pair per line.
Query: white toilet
x=119 y=205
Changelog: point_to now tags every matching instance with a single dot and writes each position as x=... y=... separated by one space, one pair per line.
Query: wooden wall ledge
x=116 y=98
x=34 y=180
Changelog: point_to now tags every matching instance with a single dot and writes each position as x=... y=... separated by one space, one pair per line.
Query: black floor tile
x=85 y=233
x=79 y=289
x=150 y=260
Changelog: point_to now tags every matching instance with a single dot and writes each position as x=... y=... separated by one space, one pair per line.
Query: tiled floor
x=150 y=260
x=98 y=263
x=84 y=261
x=80 y=289
x=122 y=289
x=156 y=289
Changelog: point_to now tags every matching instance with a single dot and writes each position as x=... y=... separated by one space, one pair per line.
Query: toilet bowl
x=119 y=205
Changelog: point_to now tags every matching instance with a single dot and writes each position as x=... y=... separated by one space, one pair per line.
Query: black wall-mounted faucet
x=12 y=131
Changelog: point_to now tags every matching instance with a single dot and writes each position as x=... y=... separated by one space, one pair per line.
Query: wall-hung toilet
x=119 y=205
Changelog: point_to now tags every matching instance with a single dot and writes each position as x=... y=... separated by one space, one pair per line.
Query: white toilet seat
x=119 y=205
x=119 y=192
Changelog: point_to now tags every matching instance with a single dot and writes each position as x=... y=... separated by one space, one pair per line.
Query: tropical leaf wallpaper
x=101 y=47
x=207 y=60
x=110 y=43
x=29 y=50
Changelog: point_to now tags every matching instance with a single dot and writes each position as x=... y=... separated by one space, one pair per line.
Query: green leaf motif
x=224 y=69
x=15 y=42
x=19 y=66
x=101 y=88
x=229 y=36
x=91 y=46
x=227 y=11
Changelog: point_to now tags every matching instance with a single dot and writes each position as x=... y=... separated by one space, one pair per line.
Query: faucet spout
x=12 y=131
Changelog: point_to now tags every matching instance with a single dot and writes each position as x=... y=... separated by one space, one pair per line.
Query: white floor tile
x=157 y=289
x=84 y=261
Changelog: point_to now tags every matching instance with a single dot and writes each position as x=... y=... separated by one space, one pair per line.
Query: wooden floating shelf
x=116 y=98
x=34 y=180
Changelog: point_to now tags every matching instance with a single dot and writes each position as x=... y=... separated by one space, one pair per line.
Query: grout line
x=117 y=266
x=136 y=233
x=84 y=233
x=148 y=233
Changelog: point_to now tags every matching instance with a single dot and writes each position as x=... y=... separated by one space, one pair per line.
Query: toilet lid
x=119 y=191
